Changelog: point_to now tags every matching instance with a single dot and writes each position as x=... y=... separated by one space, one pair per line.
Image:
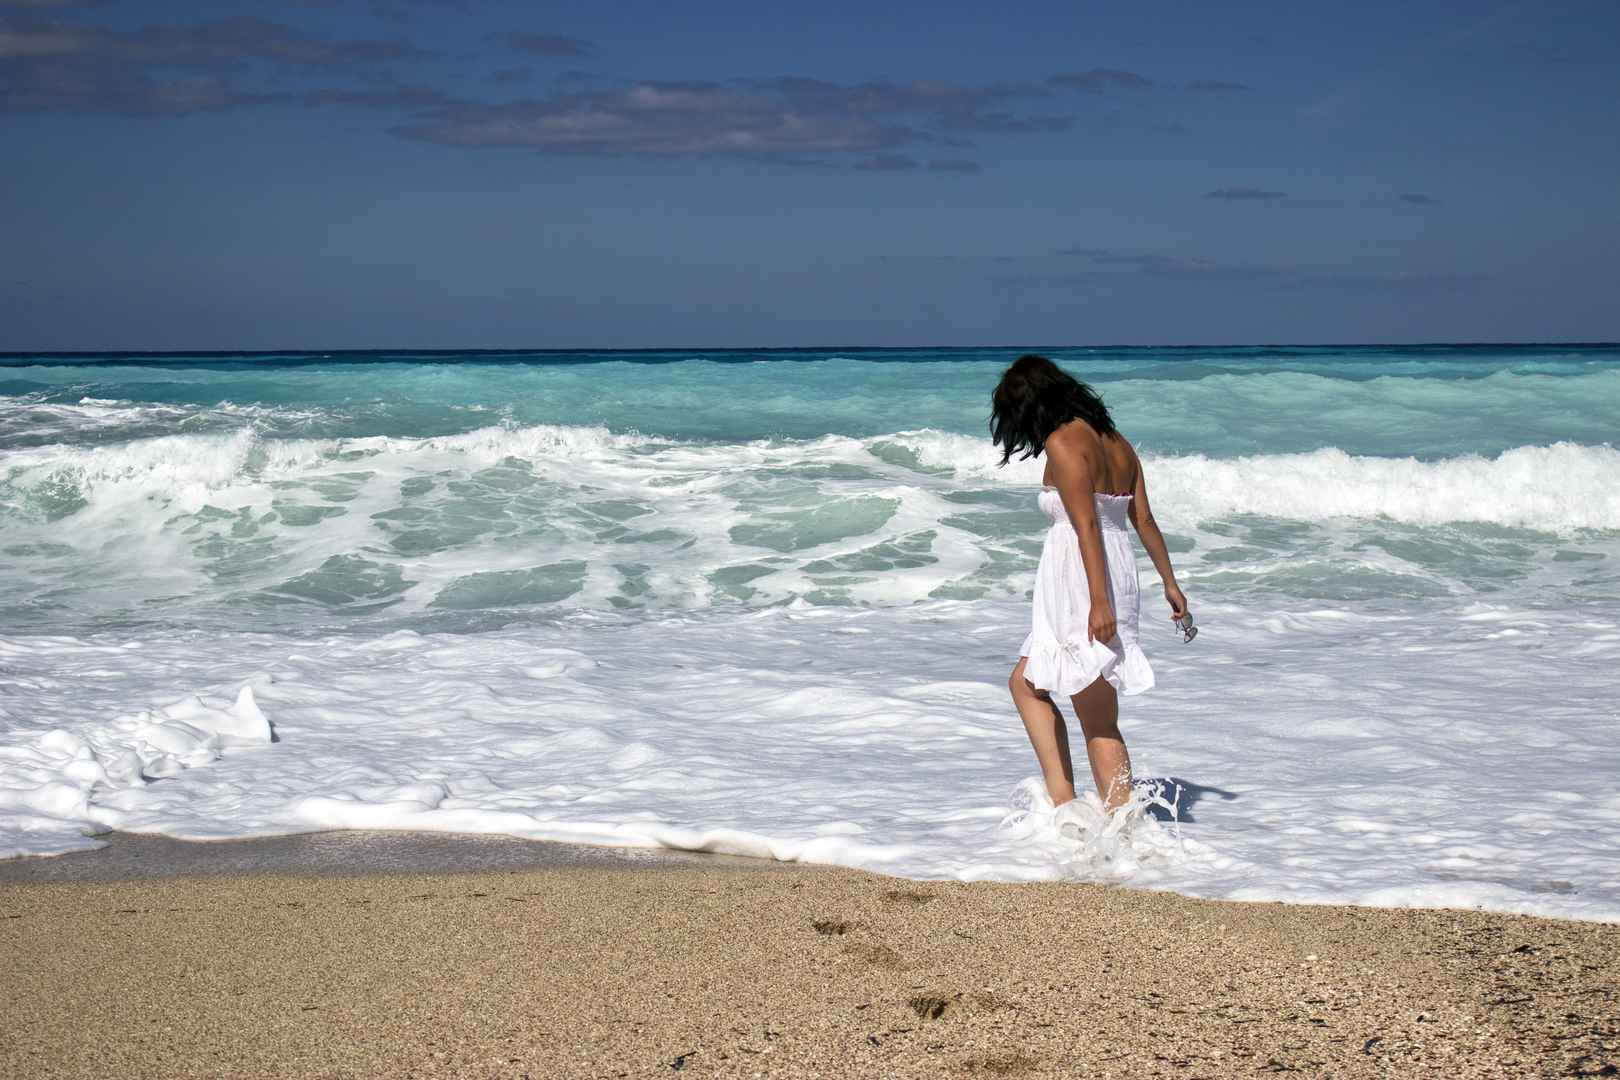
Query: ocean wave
x=1556 y=488
x=38 y=420
x=185 y=467
x=457 y=529
x=1218 y=404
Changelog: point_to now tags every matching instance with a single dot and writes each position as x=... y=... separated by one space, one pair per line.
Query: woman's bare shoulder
x=1074 y=438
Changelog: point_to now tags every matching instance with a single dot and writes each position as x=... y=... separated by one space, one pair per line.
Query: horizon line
x=356 y=350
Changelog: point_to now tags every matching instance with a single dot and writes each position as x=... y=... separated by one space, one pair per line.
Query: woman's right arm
x=1153 y=540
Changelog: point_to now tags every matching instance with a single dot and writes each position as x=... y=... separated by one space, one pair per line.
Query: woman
x=1083 y=640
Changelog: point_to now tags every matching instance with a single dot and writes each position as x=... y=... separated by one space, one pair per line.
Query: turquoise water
x=466 y=490
x=1428 y=401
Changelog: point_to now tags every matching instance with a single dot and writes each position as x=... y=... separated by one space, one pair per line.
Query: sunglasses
x=1188 y=630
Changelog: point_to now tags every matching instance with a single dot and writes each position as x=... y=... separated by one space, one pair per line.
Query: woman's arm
x=1075 y=462
x=1148 y=529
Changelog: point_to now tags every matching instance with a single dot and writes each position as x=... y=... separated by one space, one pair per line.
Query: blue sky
x=414 y=173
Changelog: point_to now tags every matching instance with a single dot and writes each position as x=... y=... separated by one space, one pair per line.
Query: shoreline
x=336 y=853
x=360 y=853
x=780 y=970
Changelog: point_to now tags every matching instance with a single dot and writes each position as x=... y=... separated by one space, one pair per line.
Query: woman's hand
x=1100 y=626
x=1177 y=601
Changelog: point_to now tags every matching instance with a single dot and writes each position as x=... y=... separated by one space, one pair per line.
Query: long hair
x=1033 y=399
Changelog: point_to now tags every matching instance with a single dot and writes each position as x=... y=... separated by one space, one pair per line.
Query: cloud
x=918 y=95
x=164 y=70
x=1200 y=268
x=1049 y=281
x=1097 y=80
x=77 y=85
x=393 y=10
x=543 y=44
x=789 y=118
x=221 y=41
x=1240 y=193
x=903 y=163
x=666 y=118
x=1417 y=198
x=1217 y=86
x=404 y=11
x=887 y=163
x=1173 y=266
x=236 y=62
x=397 y=96
x=56 y=66
x=1398 y=284
x=950 y=108
x=1002 y=123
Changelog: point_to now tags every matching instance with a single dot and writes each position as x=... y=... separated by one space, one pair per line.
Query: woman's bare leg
x=1097 y=708
x=1048 y=734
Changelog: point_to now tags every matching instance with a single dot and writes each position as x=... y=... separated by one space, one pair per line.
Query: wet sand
x=349 y=852
x=767 y=970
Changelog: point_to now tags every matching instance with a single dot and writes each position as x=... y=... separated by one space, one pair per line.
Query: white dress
x=1061 y=660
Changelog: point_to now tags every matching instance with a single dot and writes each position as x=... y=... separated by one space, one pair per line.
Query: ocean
x=766 y=602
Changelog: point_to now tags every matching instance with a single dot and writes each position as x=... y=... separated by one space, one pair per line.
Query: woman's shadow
x=1181 y=794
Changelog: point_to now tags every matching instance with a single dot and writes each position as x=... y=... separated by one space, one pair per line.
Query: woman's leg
x=1048 y=734
x=1097 y=707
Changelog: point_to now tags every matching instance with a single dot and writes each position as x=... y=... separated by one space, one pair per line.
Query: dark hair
x=1033 y=399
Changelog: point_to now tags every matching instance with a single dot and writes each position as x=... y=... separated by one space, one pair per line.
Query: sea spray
x=1092 y=842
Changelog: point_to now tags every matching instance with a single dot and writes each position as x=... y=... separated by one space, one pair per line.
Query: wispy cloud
x=1217 y=86
x=543 y=44
x=1242 y=193
x=1417 y=198
x=664 y=118
x=1395 y=284
x=887 y=163
x=1174 y=266
x=57 y=66
x=1098 y=80
x=397 y=96
x=217 y=42
x=945 y=106
x=1002 y=123
x=50 y=63
x=1106 y=262
x=771 y=118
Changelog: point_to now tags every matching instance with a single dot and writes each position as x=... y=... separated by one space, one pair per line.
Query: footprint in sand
x=879 y=956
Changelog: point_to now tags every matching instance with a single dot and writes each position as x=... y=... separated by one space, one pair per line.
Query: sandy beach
x=759 y=969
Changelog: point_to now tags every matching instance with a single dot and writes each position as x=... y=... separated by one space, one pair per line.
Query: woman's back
x=1114 y=466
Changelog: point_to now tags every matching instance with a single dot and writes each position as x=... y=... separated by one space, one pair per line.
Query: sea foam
x=1510 y=488
x=212 y=528
x=1360 y=758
